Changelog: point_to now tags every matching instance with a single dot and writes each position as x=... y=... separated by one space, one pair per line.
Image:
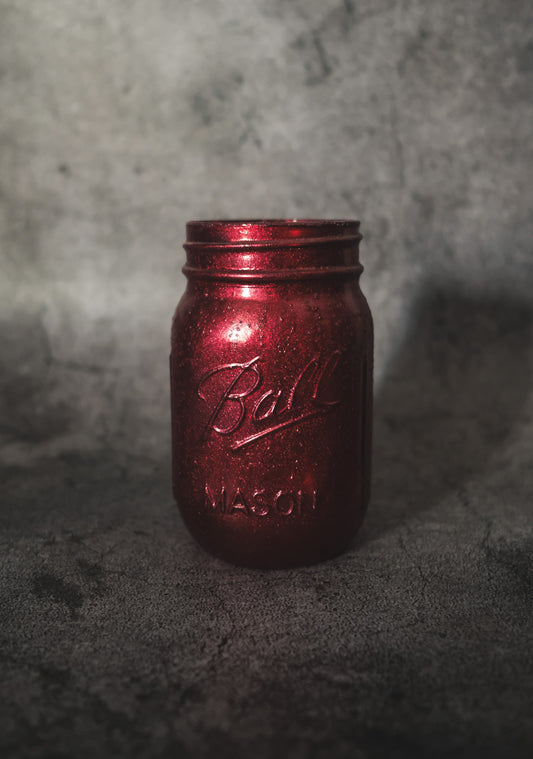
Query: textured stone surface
x=118 y=122
x=121 y=638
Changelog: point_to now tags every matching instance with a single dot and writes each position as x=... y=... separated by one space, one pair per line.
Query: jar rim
x=220 y=231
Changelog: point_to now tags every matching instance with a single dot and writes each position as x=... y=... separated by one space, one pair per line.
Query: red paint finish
x=271 y=387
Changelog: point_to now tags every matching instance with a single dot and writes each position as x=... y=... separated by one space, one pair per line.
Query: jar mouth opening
x=221 y=231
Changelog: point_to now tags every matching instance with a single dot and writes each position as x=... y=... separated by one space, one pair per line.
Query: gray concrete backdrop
x=120 y=120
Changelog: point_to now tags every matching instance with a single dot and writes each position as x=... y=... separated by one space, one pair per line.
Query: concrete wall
x=121 y=120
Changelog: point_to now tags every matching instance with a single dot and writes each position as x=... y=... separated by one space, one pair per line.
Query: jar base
x=285 y=553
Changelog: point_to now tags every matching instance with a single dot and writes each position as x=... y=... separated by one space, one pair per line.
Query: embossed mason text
x=260 y=502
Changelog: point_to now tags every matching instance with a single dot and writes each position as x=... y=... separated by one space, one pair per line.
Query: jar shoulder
x=284 y=323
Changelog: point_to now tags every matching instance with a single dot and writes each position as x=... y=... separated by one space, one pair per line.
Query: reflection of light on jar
x=239 y=332
x=247 y=261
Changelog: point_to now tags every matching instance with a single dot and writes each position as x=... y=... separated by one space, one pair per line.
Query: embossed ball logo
x=240 y=402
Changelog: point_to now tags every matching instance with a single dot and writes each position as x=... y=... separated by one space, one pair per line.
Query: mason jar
x=271 y=390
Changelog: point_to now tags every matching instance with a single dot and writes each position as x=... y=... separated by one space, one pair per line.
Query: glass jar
x=271 y=389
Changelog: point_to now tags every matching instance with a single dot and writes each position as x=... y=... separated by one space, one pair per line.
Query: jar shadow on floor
x=451 y=400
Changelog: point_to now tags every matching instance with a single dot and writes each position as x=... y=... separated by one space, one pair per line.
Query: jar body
x=271 y=387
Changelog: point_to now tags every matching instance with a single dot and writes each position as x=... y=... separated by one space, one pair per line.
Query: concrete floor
x=120 y=637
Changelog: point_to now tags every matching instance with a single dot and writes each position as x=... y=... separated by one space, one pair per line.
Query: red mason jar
x=271 y=388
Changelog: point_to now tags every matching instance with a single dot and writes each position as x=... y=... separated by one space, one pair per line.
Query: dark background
x=118 y=122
